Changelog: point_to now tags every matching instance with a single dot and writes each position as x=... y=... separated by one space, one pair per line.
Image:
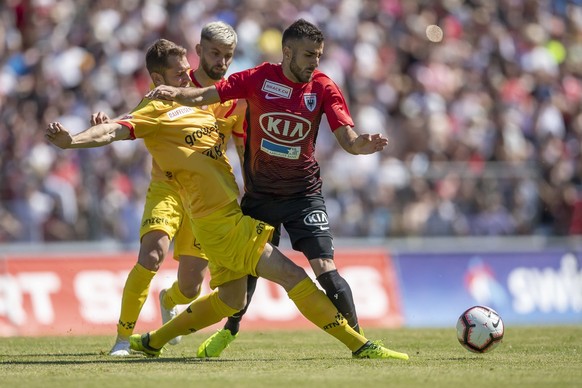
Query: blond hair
x=219 y=31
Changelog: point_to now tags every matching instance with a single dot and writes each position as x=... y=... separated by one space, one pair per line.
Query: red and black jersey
x=283 y=120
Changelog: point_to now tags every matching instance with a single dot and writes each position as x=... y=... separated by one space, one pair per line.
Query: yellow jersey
x=189 y=148
x=230 y=116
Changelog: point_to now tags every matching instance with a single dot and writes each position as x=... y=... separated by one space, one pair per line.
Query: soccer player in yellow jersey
x=186 y=143
x=163 y=216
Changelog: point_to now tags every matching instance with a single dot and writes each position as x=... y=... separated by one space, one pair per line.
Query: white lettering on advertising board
x=39 y=286
x=547 y=289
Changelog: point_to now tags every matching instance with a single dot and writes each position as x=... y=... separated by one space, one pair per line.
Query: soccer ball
x=480 y=329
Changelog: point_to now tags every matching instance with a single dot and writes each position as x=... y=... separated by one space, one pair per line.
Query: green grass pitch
x=528 y=357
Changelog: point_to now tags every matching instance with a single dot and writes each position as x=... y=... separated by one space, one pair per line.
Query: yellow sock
x=174 y=296
x=134 y=296
x=203 y=312
x=316 y=307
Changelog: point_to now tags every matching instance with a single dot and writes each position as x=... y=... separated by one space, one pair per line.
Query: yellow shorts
x=233 y=243
x=163 y=211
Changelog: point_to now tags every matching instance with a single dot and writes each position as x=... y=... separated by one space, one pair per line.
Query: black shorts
x=304 y=218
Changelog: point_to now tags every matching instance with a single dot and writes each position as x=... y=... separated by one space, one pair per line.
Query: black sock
x=340 y=294
x=233 y=322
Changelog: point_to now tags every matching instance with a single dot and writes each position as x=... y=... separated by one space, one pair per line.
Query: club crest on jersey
x=310 y=100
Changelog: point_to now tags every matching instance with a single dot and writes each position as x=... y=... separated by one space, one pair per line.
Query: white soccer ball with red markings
x=480 y=329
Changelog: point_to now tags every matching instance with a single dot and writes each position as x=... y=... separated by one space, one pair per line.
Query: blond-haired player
x=187 y=145
x=163 y=217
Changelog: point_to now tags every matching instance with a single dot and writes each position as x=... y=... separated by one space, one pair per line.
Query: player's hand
x=58 y=135
x=369 y=144
x=163 y=92
x=99 y=118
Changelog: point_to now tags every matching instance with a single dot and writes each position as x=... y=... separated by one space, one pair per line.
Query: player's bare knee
x=241 y=303
x=321 y=266
x=150 y=260
x=291 y=275
x=236 y=301
x=278 y=268
x=234 y=293
x=153 y=249
x=190 y=291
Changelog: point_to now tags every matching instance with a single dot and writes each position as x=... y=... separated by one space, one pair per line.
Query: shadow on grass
x=137 y=359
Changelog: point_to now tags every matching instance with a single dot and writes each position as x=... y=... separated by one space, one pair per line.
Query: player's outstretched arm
x=96 y=136
x=188 y=96
x=359 y=144
x=99 y=118
x=102 y=118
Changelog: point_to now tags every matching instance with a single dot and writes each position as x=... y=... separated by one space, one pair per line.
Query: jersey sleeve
x=235 y=86
x=238 y=114
x=143 y=120
x=335 y=107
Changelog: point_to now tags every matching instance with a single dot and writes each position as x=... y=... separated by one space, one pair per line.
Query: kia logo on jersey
x=285 y=127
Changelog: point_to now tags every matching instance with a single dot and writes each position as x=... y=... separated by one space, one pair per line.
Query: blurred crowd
x=485 y=127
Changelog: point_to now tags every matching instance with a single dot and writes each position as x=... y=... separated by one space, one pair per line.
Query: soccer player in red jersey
x=286 y=103
x=187 y=144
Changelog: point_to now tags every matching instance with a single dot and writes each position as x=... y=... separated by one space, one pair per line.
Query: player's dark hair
x=158 y=54
x=302 y=29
